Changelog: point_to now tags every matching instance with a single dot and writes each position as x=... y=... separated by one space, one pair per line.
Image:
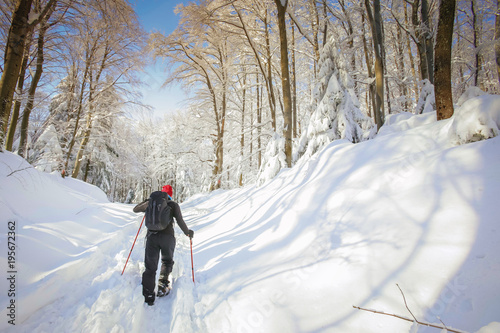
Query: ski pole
x=192 y=265
x=133 y=243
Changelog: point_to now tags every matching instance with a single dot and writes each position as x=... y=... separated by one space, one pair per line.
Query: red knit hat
x=167 y=189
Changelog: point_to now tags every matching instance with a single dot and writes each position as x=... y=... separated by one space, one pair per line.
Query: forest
x=271 y=82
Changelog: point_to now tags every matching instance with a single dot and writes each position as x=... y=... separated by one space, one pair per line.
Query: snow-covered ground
x=410 y=208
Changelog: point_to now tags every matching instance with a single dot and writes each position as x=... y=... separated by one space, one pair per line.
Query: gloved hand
x=190 y=233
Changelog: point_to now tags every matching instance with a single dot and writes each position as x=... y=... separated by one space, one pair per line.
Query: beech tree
x=285 y=81
x=203 y=59
x=442 y=65
x=14 y=51
x=375 y=20
x=44 y=26
x=497 y=40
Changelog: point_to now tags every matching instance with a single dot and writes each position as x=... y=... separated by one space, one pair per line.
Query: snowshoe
x=163 y=290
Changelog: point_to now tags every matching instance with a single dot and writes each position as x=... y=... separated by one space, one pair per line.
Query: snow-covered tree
x=337 y=114
x=274 y=159
x=426 y=101
x=48 y=156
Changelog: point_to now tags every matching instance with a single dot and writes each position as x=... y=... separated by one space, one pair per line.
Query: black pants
x=156 y=242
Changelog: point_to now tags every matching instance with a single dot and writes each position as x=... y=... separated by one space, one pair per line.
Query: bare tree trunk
x=442 y=65
x=497 y=40
x=371 y=89
x=34 y=84
x=270 y=90
x=315 y=28
x=259 y=122
x=420 y=42
x=92 y=95
x=13 y=58
x=476 y=25
x=400 y=64
x=285 y=81
x=72 y=141
x=294 y=88
x=378 y=45
x=427 y=39
x=242 y=134
x=83 y=145
x=14 y=51
x=86 y=173
x=17 y=103
x=251 y=133
x=350 y=34
x=410 y=55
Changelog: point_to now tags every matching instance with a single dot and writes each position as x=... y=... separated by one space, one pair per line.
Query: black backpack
x=158 y=213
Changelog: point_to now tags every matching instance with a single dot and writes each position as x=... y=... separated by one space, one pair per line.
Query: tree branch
x=404 y=299
x=411 y=320
x=414 y=320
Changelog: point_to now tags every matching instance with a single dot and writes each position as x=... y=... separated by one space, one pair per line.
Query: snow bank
x=470 y=93
x=57 y=227
x=404 y=121
x=344 y=227
x=477 y=119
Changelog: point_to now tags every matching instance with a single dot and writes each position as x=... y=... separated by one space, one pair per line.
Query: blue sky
x=158 y=15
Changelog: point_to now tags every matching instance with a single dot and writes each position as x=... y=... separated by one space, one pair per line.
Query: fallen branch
x=414 y=320
x=404 y=299
x=18 y=170
x=442 y=327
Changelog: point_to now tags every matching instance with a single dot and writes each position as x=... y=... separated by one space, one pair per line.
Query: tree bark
x=14 y=52
x=270 y=89
x=376 y=26
x=17 y=103
x=259 y=122
x=315 y=29
x=285 y=81
x=242 y=134
x=497 y=40
x=13 y=58
x=442 y=64
x=371 y=88
x=419 y=41
x=350 y=38
x=478 y=64
x=410 y=56
x=34 y=84
x=83 y=145
x=400 y=65
x=295 y=132
x=427 y=39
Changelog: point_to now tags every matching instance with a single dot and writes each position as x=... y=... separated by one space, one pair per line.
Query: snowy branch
x=299 y=27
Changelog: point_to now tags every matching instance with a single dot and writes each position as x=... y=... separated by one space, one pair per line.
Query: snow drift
x=410 y=207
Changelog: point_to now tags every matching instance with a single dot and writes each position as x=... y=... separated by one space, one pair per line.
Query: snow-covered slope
x=346 y=227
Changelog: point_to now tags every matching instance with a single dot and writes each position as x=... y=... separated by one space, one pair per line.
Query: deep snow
x=410 y=207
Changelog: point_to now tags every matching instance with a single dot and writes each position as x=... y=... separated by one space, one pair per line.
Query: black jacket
x=141 y=208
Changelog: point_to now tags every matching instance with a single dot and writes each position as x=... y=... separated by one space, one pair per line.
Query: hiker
x=160 y=240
